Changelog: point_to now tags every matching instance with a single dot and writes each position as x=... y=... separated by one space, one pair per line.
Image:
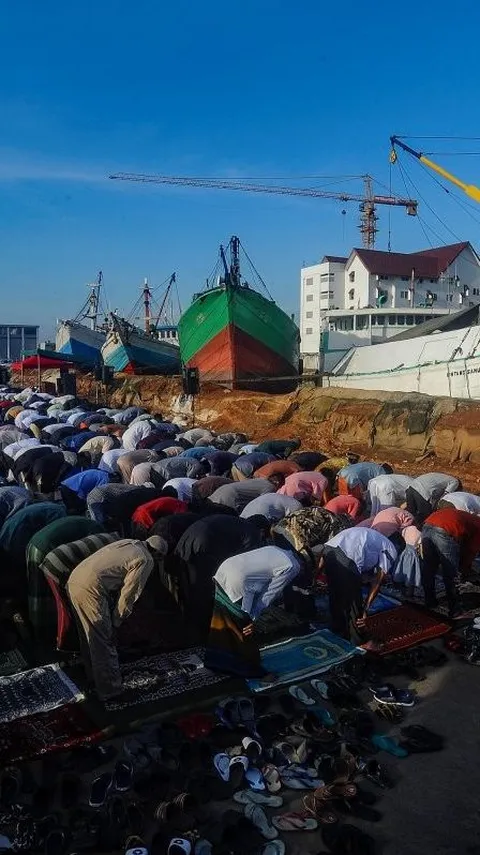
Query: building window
x=326 y=293
x=351 y=276
x=309 y=315
x=327 y=277
x=362 y=322
x=309 y=281
x=380 y=320
x=309 y=331
x=345 y=324
x=392 y=320
x=404 y=295
x=404 y=278
x=384 y=278
x=419 y=319
x=410 y=320
x=309 y=298
x=476 y=292
x=351 y=294
x=401 y=320
x=449 y=298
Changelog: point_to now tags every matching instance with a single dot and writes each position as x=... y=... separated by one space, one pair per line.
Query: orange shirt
x=277 y=467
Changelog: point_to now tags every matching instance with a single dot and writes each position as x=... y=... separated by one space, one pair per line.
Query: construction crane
x=470 y=189
x=368 y=201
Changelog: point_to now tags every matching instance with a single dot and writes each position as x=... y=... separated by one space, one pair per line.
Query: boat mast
x=232 y=270
x=146 y=303
x=173 y=279
x=93 y=301
x=235 y=261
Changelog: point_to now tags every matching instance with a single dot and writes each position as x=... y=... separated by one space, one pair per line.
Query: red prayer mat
x=34 y=735
x=403 y=627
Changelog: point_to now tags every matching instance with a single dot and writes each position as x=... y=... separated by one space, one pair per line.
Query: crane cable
x=419 y=218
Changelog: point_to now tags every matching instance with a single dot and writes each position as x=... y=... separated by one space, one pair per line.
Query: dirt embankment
x=415 y=432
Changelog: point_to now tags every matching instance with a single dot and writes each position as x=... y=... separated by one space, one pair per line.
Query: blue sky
x=246 y=88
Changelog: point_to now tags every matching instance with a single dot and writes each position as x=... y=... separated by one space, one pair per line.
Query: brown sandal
x=315 y=805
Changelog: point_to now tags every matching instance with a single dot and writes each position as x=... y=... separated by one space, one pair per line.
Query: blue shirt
x=247 y=464
x=75 y=442
x=83 y=483
x=359 y=474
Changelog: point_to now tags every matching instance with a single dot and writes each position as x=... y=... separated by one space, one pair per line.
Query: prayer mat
x=404 y=627
x=301 y=658
x=381 y=603
x=153 y=678
x=38 y=690
x=468 y=602
x=11 y=662
x=56 y=730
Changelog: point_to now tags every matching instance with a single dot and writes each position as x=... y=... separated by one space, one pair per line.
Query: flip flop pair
x=245 y=797
x=299 y=778
x=294 y=821
x=388 y=744
x=257 y=816
x=228 y=767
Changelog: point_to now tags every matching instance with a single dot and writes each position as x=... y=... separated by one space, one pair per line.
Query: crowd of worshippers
x=101 y=511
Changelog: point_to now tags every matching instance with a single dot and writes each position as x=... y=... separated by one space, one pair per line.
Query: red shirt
x=149 y=512
x=463 y=527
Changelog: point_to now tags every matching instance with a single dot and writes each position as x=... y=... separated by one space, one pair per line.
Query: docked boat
x=444 y=363
x=236 y=336
x=83 y=336
x=153 y=350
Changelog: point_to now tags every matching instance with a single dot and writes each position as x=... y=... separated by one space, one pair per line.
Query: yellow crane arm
x=470 y=189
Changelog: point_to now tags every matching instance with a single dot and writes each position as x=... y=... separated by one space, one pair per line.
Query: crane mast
x=368 y=200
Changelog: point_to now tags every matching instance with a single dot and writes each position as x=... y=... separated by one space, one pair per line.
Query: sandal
x=386 y=743
x=294 y=822
x=258 y=818
x=300 y=695
x=271 y=776
x=244 y=797
x=315 y=804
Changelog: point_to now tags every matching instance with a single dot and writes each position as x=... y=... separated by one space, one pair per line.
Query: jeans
x=439 y=550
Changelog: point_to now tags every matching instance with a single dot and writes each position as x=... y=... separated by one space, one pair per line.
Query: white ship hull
x=443 y=364
x=78 y=340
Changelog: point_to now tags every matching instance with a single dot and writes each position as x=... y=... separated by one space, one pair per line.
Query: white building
x=371 y=296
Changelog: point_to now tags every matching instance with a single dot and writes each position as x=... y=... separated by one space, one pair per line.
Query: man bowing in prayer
x=103 y=590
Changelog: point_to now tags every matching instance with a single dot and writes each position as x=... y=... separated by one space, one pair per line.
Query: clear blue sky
x=244 y=88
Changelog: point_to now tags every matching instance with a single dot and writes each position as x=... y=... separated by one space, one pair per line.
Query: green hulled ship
x=236 y=336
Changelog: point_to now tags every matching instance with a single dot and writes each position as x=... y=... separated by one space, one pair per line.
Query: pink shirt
x=345 y=505
x=392 y=519
x=300 y=485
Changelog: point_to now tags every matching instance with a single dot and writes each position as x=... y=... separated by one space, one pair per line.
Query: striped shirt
x=60 y=562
